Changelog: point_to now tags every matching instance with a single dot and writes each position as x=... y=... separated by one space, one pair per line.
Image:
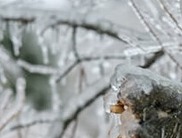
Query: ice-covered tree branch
x=23 y=20
x=66 y=55
x=153 y=103
x=32 y=123
x=104 y=27
x=73 y=114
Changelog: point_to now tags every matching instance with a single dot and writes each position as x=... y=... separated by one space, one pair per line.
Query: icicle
x=3 y=78
x=45 y=54
x=55 y=96
x=53 y=38
x=44 y=49
x=16 y=31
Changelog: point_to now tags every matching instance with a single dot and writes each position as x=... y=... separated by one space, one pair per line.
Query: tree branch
x=154 y=103
x=32 y=123
x=68 y=70
x=23 y=20
x=150 y=61
x=75 y=113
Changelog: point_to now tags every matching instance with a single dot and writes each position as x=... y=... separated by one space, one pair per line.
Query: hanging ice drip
x=124 y=122
x=114 y=107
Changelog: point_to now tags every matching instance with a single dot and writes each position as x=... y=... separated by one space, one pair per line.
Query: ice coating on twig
x=123 y=70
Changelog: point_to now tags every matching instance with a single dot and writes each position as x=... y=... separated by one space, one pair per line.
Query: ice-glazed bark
x=149 y=105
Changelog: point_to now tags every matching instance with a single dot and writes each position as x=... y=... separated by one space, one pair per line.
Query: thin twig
x=169 y=14
x=74 y=43
x=23 y=20
x=96 y=27
x=14 y=111
x=32 y=123
x=69 y=69
x=105 y=57
x=74 y=128
x=153 y=59
x=144 y=21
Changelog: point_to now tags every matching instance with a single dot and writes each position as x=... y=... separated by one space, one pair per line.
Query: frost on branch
x=151 y=104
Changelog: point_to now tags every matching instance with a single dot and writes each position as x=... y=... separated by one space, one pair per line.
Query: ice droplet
x=16 y=32
x=116 y=82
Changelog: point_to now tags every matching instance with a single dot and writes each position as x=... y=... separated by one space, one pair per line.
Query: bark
x=152 y=104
